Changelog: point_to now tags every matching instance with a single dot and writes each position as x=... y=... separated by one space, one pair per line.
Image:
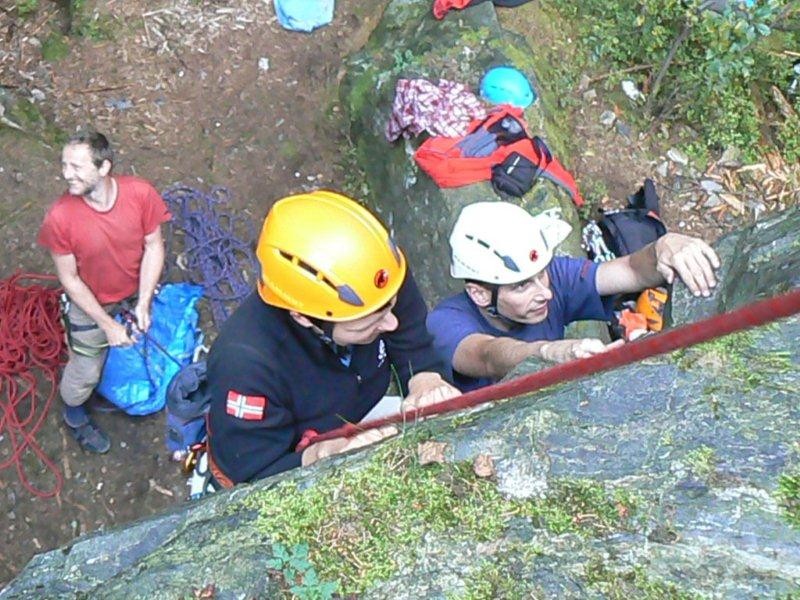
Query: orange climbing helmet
x=327 y=257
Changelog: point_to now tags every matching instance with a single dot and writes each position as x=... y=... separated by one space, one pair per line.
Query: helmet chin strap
x=324 y=331
x=495 y=312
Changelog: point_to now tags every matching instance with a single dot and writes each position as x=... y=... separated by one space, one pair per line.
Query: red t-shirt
x=108 y=246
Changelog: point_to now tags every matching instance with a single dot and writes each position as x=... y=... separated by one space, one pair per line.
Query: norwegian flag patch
x=249 y=408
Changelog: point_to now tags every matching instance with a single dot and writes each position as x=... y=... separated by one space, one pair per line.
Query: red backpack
x=454 y=162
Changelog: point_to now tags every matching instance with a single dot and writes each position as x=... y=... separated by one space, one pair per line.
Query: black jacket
x=262 y=352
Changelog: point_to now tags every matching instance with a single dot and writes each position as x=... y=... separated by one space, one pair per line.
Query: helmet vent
x=315 y=273
x=508 y=262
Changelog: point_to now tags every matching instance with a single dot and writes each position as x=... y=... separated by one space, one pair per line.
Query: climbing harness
x=31 y=342
x=751 y=315
x=213 y=256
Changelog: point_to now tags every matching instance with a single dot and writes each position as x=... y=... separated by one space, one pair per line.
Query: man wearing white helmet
x=518 y=298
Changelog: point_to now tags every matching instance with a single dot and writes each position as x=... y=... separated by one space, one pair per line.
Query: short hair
x=98 y=144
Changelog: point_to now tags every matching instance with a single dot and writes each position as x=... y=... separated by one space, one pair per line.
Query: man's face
x=526 y=301
x=366 y=329
x=79 y=171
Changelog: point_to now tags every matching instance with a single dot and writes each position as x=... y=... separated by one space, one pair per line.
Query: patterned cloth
x=445 y=109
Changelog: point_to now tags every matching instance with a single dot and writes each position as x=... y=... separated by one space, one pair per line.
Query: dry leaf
x=431 y=452
x=483 y=466
x=734 y=202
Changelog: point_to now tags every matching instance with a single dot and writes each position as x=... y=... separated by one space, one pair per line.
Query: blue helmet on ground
x=507 y=85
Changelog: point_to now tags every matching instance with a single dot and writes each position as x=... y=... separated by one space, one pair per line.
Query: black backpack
x=630 y=229
x=624 y=232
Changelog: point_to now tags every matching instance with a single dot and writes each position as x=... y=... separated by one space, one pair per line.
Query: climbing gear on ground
x=507 y=85
x=213 y=255
x=633 y=324
x=303 y=15
x=135 y=378
x=446 y=108
x=628 y=230
x=501 y=243
x=32 y=350
x=202 y=482
x=90 y=437
x=623 y=232
x=651 y=304
x=593 y=243
x=516 y=175
x=441 y=7
x=490 y=142
x=327 y=257
x=188 y=401
x=751 y=315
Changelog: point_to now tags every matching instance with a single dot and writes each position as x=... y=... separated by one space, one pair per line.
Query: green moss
x=585 y=507
x=362 y=91
x=738 y=362
x=500 y=577
x=362 y=525
x=788 y=495
x=632 y=583
x=702 y=461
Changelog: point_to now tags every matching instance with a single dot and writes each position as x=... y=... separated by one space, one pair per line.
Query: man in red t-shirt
x=104 y=236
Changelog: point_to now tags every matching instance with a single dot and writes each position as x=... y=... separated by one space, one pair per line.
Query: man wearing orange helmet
x=335 y=317
x=519 y=297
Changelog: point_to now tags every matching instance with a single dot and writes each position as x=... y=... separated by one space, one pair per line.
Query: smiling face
x=366 y=329
x=526 y=301
x=80 y=171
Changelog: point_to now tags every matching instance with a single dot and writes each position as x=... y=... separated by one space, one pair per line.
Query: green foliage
x=54 y=47
x=362 y=526
x=92 y=26
x=788 y=495
x=717 y=60
x=789 y=136
x=26 y=8
x=632 y=583
x=299 y=576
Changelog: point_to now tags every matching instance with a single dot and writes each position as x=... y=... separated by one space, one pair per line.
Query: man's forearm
x=644 y=264
x=500 y=355
x=150 y=270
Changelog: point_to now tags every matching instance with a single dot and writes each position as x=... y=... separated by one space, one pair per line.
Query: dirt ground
x=204 y=92
x=179 y=91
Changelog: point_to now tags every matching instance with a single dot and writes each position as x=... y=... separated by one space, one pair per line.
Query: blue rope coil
x=213 y=256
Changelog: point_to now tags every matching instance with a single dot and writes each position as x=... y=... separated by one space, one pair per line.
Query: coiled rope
x=213 y=256
x=752 y=315
x=31 y=342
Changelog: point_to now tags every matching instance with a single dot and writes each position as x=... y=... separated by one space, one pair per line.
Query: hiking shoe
x=90 y=437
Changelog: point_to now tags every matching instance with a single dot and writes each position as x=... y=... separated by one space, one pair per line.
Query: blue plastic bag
x=304 y=15
x=136 y=378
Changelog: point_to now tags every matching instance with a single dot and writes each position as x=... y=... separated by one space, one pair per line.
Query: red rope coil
x=31 y=339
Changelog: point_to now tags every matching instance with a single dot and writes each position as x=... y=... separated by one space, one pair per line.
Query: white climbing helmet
x=500 y=242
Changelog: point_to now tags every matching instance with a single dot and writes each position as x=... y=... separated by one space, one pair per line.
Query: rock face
x=677 y=477
x=409 y=43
